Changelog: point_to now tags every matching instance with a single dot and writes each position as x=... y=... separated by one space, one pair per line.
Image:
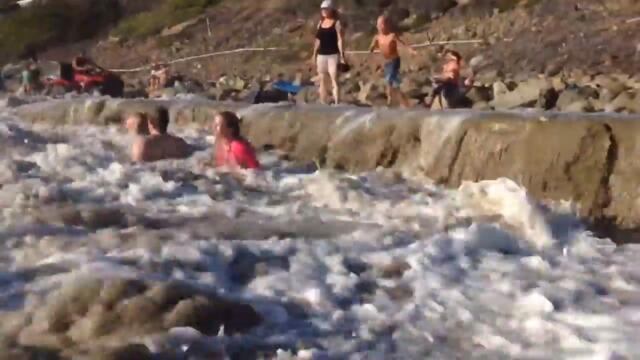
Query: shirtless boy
x=159 y=145
x=388 y=41
x=158 y=78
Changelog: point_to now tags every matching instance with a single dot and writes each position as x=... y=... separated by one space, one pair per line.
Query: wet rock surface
x=89 y=313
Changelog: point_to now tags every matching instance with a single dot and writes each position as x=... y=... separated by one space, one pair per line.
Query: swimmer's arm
x=404 y=45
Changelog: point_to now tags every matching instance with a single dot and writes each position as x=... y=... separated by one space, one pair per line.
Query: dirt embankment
x=519 y=37
x=580 y=56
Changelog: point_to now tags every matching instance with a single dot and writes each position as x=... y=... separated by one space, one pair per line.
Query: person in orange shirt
x=450 y=84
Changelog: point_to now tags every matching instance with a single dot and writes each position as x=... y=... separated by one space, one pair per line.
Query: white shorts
x=328 y=64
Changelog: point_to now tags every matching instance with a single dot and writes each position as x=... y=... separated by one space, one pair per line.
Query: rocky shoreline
x=578 y=92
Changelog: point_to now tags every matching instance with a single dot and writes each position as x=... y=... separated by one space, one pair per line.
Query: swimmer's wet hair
x=232 y=121
x=143 y=124
x=161 y=120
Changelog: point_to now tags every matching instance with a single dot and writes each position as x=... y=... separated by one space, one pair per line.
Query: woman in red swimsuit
x=231 y=149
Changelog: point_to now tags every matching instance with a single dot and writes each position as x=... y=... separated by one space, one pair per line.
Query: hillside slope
x=519 y=38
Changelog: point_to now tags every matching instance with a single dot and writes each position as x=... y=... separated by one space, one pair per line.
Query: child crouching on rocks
x=450 y=85
x=388 y=41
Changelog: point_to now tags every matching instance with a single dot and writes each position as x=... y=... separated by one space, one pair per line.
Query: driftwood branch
x=237 y=51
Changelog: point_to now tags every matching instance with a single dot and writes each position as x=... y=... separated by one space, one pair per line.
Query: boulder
x=235 y=83
x=625 y=102
x=480 y=94
x=547 y=99
x=308 y=94
x=83 y=311
x=14 y=101
x=609 y=83
x=477 y=62
x=166 y=93
x=572 y=100
x=526 y=94
x=481 y=105
x=579 y=106
x=412 y=86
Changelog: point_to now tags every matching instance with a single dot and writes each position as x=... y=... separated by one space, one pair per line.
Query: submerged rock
x=87 y=310
x=126 y=352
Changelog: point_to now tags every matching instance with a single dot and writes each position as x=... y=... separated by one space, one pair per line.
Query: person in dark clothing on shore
x=328 y=51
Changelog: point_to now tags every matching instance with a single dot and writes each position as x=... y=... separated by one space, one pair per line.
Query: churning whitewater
x=336 y=266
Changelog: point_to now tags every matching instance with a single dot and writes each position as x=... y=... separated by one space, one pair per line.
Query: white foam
x=393 y=269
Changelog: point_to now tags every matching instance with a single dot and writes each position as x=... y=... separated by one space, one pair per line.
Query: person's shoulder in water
x=160 y=145
x=244 y=154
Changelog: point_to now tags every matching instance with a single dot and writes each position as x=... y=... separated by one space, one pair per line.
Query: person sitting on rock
x=83 y=65
x=231 y=149
x=159 y=145
x=450 y=85
x=388 y=41
x=159 y=77
x=30 y=79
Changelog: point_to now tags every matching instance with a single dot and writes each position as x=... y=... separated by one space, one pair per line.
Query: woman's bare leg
x=322 y=89
x=333 y=74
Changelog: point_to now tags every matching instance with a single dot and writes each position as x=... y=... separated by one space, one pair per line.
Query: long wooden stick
x=196 y=57
x=427 y=44
x=236 y=51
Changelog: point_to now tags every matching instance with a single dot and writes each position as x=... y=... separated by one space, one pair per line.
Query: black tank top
x=328 y=40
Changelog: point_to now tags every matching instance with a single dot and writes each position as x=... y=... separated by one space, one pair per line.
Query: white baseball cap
x=327 y=4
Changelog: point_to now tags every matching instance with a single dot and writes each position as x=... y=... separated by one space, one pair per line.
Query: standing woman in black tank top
x=328 y=51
